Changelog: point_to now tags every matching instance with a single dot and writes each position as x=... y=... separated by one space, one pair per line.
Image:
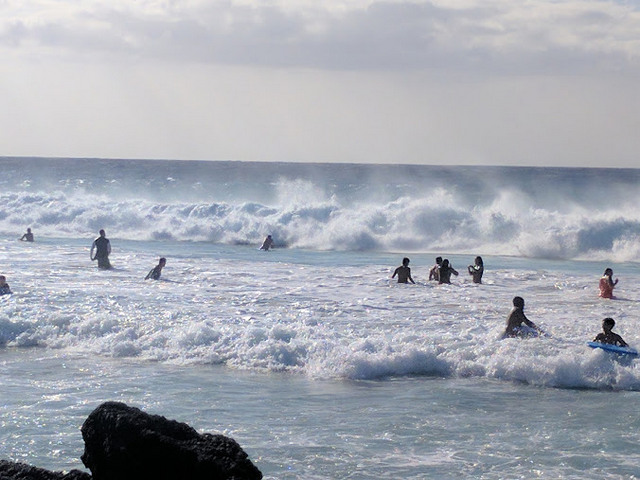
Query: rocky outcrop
x=20 y=471
x=125 y=443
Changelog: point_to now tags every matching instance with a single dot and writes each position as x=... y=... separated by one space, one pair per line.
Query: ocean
x=309 y=355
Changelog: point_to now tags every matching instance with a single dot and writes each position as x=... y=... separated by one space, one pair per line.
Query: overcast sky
x=490 y=82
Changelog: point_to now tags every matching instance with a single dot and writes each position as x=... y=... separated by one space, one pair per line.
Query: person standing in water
x=607 y=336
x=434 y=273
x=516 y=319
x=607 y=283
x=476 y=270
x=445 y=272
x=403 y=272
x=156 y=271
x=267 y=244
x=27 y=237
x=102 y=247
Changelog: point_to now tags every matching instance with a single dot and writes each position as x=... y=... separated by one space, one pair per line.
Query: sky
x=441 y=82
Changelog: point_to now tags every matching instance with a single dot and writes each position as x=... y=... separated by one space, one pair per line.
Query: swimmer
x=28 y=237
x=4 y=286
x=267 y=244
x=516 y=319
x=434 y=273
x=102 y=246
x=476 y=270
x=156 y=271
x=607 y=283
x=445 y=272
x=607 y=336
x=403 y=272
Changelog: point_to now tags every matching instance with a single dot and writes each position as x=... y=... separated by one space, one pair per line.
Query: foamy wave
x=437 y=222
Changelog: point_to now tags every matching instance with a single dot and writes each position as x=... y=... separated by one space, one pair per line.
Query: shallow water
x=317 y=363
x=296 y=427
x=310 y=356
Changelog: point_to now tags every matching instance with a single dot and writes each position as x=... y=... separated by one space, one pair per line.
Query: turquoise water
x=309 y=355
x=295 y=427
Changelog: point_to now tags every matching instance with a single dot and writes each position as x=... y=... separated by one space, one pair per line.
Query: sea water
x=309 y=355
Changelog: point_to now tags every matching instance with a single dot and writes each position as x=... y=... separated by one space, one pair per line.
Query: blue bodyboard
x=632 y=352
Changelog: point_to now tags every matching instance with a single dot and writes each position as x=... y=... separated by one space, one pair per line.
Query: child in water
x=156 y=271
x=516 y=319
x=607 y=283
x=607 y=336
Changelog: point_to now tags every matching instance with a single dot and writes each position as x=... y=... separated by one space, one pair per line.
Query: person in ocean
x=267 y=244
x=155 y=272
x=4 y=286
x=445 y=272
x=27 y=237
x=434 y=273
x=102 y=247
x=607 y=283
x=403 y=272
x=607 y=336
x=476 y=270
x=516 y=319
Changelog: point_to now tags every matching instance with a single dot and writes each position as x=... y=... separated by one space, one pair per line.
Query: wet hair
x=438 y=260
x=479 y=260
x=608 y=270
x=405 y=260
x=445 y=262
x=518 y=302
x=609 y=321
x=163 y=260
x=102 y=232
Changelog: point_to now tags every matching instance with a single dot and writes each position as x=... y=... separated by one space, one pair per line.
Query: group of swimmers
x=442 y=270
x=102 y=248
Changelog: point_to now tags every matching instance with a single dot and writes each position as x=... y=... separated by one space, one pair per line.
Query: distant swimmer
x=516 y=319
x=4 y=286
x=403 y=272
x=607 y=336
x=476 y=270
x=434 y=273
x=155 y=272
x=102 y=246
x=607 y=283
x=267 y=244
x=27 y=237
x=445 y=272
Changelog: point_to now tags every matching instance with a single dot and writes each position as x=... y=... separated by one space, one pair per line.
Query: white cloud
x=444 y=81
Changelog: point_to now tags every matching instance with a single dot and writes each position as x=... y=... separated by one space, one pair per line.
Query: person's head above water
x=102 y=234
x=438 y=260
x=405 y=261
x=608 y=324
x=478 y=261
x=518 y=302
x=3 y=280
x=163 y=261
x=608 y=272
x=445 y=263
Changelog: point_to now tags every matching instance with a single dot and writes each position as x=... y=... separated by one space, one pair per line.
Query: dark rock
x=20 y=471
x=125 y=443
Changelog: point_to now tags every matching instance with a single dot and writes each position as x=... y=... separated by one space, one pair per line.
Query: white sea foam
x=239 y=307
x=522 y=212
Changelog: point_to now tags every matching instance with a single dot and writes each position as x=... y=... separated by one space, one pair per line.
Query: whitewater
x=309 y=355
